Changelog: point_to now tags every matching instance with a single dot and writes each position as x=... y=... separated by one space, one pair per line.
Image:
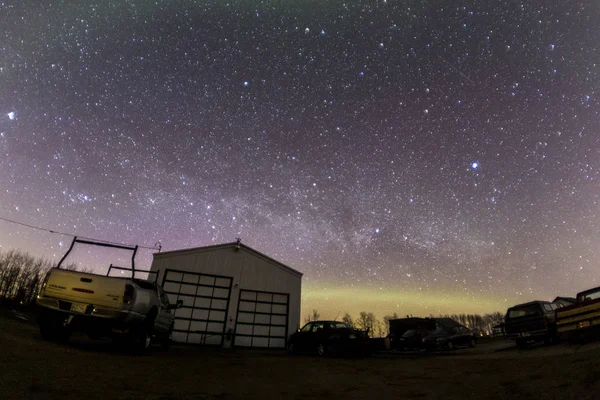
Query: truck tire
x=142 y=337
x=166 y=342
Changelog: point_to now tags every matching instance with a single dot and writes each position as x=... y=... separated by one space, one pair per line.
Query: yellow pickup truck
x=129 y=310
x=582 y=318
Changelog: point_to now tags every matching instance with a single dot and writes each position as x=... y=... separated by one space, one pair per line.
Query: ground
x=31 y=368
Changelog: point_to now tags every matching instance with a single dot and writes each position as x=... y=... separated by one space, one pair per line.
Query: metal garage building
x=232 y=295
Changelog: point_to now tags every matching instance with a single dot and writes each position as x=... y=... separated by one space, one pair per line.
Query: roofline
x=531 y=302
x=226 y=245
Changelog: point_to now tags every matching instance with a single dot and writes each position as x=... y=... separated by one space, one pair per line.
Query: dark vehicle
x=531 y=322
x=447 y=338
x=329 y=337
x=412 y=339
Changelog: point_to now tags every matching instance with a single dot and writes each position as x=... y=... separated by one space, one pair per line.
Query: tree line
x=479 y=324
x=22 y=275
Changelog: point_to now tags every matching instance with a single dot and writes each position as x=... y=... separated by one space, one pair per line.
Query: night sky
x=406 y=156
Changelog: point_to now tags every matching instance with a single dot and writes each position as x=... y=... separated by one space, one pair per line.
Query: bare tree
x=347 y=319
x=366 y=321
x=315 y=316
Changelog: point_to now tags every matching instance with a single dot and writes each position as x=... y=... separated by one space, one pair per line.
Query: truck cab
x=531 y=322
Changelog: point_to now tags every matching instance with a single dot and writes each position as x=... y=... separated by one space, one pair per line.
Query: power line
x=157 y=245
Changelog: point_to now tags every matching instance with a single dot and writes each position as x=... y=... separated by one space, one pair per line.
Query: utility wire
x=157 y=245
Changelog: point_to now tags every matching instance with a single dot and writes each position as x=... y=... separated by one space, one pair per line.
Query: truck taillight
x=45 y=283
x=128 y=295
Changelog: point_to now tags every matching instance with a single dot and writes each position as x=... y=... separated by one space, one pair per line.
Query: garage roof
x=233 y=245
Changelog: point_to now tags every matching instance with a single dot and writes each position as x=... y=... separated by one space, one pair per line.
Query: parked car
x=531 y=322
x=412 y=339
x=328 y=337
x=582 y=318
x=131 y=311
x=447 y=338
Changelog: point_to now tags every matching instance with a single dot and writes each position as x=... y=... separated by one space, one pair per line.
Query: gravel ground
x=31 y=368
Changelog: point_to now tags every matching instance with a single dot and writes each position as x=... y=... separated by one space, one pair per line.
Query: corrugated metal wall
x=248 y=270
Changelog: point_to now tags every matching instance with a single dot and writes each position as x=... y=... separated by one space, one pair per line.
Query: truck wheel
x=142 y=339
x=321 y=350
x=166 y=342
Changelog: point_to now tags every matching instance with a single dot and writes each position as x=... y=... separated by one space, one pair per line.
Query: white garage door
x=205 y=297
x=262 y=319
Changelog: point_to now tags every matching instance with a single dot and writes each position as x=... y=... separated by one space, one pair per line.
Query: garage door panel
x=279 y=309
x=245 y=295
x=180 y=337
x=276 y=342
x=215 y=327
x=264 y=308
x=172 y=298
x=245 y=317
x=214 y=340
x=246 y=306
x=257 y=320
x=200 y=314
x=222 y=282
x=216 y=315
x=181 y=325
x=187 y=300
x=243 y=329
x=262 y=319
x=280 y=298
x=190 y=278
x=218 y=304
x=197 y=326
x=195 y=338
x=208 y=280
x=260 y=342
x=278 y=331
x=202 y=320
x=202 y=302
x=244 y=341
x=173 y=276
x=205 y=291
x=261 y=330
x=188 y=289
x=171 y=287
x=183 y=313
x=220 y=292
x=268 y=297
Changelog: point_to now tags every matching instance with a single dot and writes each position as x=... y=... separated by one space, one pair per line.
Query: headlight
x=440 y=339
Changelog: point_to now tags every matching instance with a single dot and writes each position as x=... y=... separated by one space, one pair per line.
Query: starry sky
x=407 y=156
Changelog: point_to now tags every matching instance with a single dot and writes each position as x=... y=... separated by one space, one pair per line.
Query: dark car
x=531 y=322
x=447 y=338
x=412 y=339
x=328 y=337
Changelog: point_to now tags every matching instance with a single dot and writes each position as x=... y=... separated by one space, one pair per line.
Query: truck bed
x=85 y=288
x=578 y=316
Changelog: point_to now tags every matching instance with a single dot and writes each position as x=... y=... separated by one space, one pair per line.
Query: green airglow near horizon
x=336 y=301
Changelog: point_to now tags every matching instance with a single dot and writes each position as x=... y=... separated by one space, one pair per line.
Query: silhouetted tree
x=312 y=317
x=347 y=319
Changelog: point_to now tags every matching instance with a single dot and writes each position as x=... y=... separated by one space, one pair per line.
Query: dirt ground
x=31 y=368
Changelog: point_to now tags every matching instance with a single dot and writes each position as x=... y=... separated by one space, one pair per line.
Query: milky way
x=405 y=156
